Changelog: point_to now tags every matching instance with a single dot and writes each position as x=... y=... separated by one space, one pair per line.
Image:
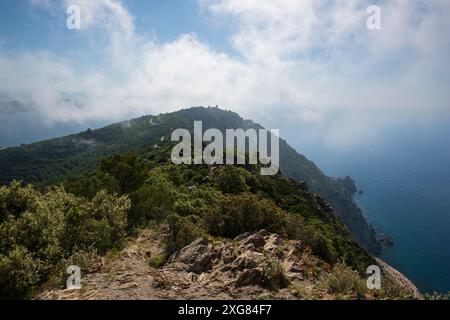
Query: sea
x=406 y=195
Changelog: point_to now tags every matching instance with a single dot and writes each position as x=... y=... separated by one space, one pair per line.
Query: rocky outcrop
x=241 y=268
x=245 y=260
x=197 y=257
x=347 y=184
x=257 y=265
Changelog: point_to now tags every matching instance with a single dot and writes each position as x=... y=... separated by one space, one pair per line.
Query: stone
x=296 y=268
x=197 y=256
x=256 y=239
x=273 y=242
x=249 y=277
x=245 y=261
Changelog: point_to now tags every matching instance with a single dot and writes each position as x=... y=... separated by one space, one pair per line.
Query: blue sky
x=27 y=26
x=311 y=67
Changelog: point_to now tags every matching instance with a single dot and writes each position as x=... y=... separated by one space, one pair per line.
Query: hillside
x=52 y=161
x=141 y=227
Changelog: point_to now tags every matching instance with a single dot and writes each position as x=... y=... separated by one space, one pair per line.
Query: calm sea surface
x=406 y=196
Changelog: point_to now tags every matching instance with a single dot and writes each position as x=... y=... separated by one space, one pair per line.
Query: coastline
x=400 y=278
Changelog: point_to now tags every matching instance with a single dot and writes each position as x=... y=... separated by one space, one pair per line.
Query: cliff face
x=52 y=161
x=347 y=183
x=298 y=167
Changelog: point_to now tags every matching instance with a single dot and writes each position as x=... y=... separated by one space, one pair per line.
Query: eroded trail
x=258 y=265
x=203 y=270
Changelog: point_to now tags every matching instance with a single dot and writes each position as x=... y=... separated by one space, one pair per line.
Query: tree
x=129 y=170
x=181 y=233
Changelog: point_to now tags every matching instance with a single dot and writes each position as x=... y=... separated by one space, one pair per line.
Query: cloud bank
x=309 y=63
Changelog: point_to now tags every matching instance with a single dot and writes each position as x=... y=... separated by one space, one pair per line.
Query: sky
x=310 y=68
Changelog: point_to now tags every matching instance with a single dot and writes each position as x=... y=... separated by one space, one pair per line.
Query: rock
x=245 y=261
x=274 y=241
x=298 y=250
x=97 y=266
x=249 y=277
x=228 y=255
x=385 y=240
x=242 y=236
x=295 y=276
x=264 y=233
x=197 y=256
x=296 y=268
x=256 y=239
x=348 y=184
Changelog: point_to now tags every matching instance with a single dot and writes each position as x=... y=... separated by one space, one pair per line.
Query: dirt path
x=128 y=275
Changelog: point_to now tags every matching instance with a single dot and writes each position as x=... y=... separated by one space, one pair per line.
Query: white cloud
x=312 y=62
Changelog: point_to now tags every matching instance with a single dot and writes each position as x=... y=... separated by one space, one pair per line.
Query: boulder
x=256 y=240
x=273 y=241
x=249 y=277
x=228 y=255
x=197 y=256
x=245 y=261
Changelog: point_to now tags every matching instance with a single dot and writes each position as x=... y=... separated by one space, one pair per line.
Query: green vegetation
x=86 y=204
x=39 y=230
x=42 y=230
x=234 y=215
x=273 y=276
x=53 y=161
x=158 y=261
x=342 y=281
x=182 y=231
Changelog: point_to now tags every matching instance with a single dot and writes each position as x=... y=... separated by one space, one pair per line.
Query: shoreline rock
x=400 y=278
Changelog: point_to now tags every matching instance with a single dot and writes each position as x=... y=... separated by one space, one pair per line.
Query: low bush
x=158 y=261
x=233 y=215
x=343 y=281
x=273 y=276
x=51 y=228
x=182 y=231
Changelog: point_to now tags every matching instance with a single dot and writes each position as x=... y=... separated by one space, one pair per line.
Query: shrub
x=273 y=276
x=89 y=186
x=15 y=199
x=197 y=201
x=231 y=180
x=110 y=212
x=52 y=228
x=58 y=275
x=129 y=170
x=437 y=296
x=18 y=274
x=343 y=281
x=323 y=247
x=312 y=235
x=158 y=261
x=152 y=202
x=181 y=233
x=234 y=215
x=392 y=290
